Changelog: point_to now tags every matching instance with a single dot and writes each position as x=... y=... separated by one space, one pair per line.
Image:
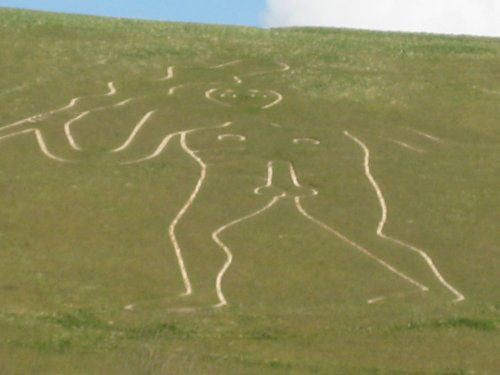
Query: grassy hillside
x=397 y=133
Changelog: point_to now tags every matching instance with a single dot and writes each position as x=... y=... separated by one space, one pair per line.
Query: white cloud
x=473 y=17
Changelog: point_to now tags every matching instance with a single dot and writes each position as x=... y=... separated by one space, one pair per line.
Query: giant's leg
x=197 y=235
x=458 y=296
x=353 y=208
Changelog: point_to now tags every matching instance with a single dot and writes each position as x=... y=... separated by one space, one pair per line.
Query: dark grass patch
x=62 y=332
x=79 y=319
x=159 y=330
x=49 y=345
x=482 y=325
x=85 y=320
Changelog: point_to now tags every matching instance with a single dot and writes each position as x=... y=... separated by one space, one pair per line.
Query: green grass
x=474 y=324
x=80 y=241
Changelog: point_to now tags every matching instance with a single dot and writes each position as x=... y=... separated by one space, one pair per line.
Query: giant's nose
x=282 y=179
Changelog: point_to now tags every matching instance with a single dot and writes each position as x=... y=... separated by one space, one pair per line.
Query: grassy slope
x=79 y=243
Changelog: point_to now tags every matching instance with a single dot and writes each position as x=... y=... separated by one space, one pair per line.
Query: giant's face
x=239 y=97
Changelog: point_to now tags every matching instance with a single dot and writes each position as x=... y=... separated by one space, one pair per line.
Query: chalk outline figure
x=182 y=136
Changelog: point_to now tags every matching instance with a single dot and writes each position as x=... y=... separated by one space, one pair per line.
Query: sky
x=238 y=12
x=472 y=17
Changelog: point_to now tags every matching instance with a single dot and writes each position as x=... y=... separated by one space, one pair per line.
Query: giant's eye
x=232 y=137
x=257 y=94
x=311 y=141
x=227 y=94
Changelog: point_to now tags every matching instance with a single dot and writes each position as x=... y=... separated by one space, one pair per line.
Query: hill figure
x=235 y=128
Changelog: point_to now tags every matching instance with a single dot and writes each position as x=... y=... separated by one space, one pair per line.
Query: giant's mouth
x=262 y=99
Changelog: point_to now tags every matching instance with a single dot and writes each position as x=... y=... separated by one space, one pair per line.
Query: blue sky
x=471 y=17
x=240 y=12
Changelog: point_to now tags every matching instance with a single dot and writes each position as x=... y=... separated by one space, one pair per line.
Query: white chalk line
x=358 y=247
x=72 y=103
x=208 y=95
x=295 y=179
x=40 y=141
x=67 y=130
x=136 y=130
x=459 y=296
x=344 y=238
x=163 y=144
x=269 y=179
x=38 y=117
x=16 y=134
x=170 y=74
x=278 y=100
x=234 y=62
x=306 y=140
x=172 y=90
x=229 y=255
x=426 y=135
x=124 y=102
x=270 y=175
x=383 y=298
x=171 y=230
x=283 y=68
x=157 y=152
x=238 y=137
x=203 y=172
x=112 y=90
x=293 y=175
x=43 y=115
x=375 y=300
x=406 y=145
x=43 y=147
x=67 y=125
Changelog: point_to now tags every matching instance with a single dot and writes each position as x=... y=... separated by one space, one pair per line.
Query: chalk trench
x=203 y=175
